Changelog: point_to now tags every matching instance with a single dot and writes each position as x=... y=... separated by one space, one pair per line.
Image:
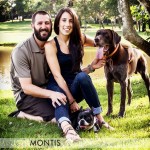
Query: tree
x=129 y=31
x=146 y=4
x=24 y=8
x=112 y=12
x=83 y=11
x=4 y=10
x=51 y=6
x=97 y=10
x=140 y=16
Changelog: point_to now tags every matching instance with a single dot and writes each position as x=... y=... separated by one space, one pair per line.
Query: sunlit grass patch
x=135 y=124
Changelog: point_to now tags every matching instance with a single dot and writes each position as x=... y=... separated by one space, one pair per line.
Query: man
x=29 y=74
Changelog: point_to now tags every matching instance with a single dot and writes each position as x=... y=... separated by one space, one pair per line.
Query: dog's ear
x=81 y=108
x=116 y=38
x=90 y=111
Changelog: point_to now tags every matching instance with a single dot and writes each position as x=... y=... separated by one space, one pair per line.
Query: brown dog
x=121 y=63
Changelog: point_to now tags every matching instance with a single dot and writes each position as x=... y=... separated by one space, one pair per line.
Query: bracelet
x=71 y=103
x=91 y=69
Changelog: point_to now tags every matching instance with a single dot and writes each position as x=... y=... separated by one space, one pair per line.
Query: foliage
x=18 y=31
x=51 y=6
x=139 y=13
x=89 y=11
x=111 y=7
x=4 y=10
x=83 y=11
x=24 y=8
x=129 y=30
x=97 y=10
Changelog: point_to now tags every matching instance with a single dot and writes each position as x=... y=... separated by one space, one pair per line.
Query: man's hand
x=57 y=98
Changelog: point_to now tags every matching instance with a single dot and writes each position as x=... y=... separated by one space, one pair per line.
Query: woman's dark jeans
x=81 y=88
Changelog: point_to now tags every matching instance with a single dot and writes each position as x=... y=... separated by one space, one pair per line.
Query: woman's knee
x=62 y=111
x=83 y=78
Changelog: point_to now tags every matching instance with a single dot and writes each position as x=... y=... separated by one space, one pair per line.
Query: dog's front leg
x=123 y=98
x=110 y=89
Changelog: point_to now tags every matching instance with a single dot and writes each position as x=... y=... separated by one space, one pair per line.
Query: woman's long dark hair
x=75 y=43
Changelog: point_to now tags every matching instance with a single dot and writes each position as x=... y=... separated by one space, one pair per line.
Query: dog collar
x=115 y=50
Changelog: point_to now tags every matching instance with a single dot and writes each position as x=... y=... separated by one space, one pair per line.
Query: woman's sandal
x=71 y=136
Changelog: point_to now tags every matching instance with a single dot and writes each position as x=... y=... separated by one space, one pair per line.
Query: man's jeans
x=81 y=88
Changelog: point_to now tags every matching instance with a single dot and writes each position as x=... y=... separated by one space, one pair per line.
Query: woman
x=64 y=56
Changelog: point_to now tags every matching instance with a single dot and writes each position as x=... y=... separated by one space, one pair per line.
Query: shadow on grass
x=19 y=29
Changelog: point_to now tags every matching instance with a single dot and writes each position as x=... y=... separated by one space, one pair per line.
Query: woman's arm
x=96 y=63
x=51 y=56
x=87 y=40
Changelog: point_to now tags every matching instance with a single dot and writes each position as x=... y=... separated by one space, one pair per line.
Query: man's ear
x=32 y=25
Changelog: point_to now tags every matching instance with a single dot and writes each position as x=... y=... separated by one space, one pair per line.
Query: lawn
x=18 y=31
x=135 y=126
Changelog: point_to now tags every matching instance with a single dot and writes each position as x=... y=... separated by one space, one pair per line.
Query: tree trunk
x=129 y=31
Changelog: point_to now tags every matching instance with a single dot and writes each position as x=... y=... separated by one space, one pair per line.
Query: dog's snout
x=82 y=122
x=96 y=39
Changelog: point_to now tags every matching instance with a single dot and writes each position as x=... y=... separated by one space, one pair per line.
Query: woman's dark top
x=65 y=63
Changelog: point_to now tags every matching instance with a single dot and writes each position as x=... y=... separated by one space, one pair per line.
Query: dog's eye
x=106 y=35
x=98 y=33
x=81 y=117
x=88 y=118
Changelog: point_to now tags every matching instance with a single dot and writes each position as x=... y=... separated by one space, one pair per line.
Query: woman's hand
x=98 y=63
x=74 y=107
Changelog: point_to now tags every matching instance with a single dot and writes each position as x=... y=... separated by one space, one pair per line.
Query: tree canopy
x=129 y=31
x=125 y=12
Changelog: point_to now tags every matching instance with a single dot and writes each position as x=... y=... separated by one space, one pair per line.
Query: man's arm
x=21 y=64
x=36 y=91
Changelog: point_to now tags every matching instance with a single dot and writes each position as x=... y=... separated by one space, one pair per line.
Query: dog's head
x=86 y=119
x=107 y=37
x=107 y=41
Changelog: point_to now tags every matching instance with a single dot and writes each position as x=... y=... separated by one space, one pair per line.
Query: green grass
x=12 y=33
x=135 y=125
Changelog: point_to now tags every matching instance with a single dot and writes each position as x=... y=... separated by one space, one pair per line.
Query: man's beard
x=38 y=35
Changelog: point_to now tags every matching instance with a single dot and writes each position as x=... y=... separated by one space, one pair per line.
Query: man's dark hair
x=41 y=12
